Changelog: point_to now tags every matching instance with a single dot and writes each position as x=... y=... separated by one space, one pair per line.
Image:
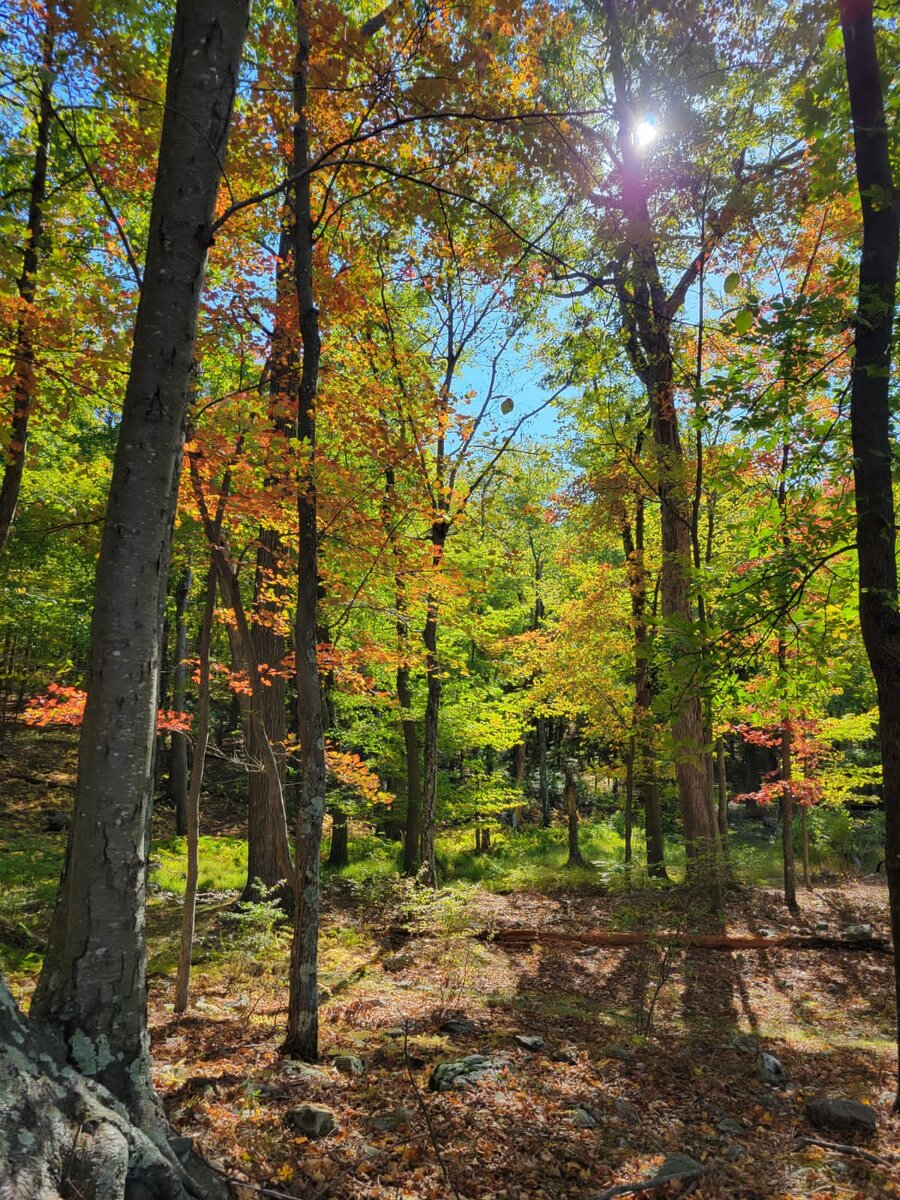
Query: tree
x=91 y=996
x=870 y=418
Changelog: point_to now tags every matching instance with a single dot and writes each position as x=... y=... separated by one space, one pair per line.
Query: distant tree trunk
x=268 y=846
x=178 y=751
x=804 y=841
x=439 y=531
x=575 y=858
x=412 y=835
x=253 y=708
x=201 y=740
x=302 y=1039
x=24 y=379
x=870 y=420
x=645 y=743
x=92 y=988
x=723 y=794
x=647 y=315
x=629 y=795
x=266 y=824
x=787 y=820
x=543 y=782
x=339 y=851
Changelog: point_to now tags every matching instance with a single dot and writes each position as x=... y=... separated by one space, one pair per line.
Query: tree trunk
x=268 y=846
x=647 y=318
x=92 y=989
x=178 y=751
x=201 y=740
x=543 y=783
x=413 y=774
x=870 y=420
x=804 y=841
x=24 y=380
x=787 y=820
x=645 y=743
x=439 y=532
x=63 y=1134
x=575 y=858
x=723 y=794
x=302 y=1039
x=629 y=795
x=339 y=852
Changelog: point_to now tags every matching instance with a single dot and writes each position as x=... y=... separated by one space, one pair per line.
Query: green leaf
x=744 y=320
x=731 y=282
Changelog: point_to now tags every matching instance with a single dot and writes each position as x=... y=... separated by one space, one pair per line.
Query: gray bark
x=178 y=751
x=302 y=1039
x=92 y=990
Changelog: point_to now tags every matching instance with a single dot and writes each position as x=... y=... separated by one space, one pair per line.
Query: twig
x=425 y=1113
x=253 y=1187
x=842 y=1148
x=647 y=1185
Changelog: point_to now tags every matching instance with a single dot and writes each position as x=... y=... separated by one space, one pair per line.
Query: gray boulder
x=465 y=1073
x=312 y=1120
x=583 y=1117
x=841 y=1115
x=457 y=1026
x=348 y=1064
x=770 y=1070
x=527 y=1042
x=858 y=933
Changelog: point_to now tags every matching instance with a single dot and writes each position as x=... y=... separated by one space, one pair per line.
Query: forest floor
x=646 y=1051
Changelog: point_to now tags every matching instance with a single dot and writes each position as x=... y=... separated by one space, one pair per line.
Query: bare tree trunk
x=432 y=712
x=575 y=858
x=201 y=740
x=543 y=782
x=178 y=751
x=804 y=841
x=629 y=795
x=92 y=989
x=723 y=794
x=645 y=745
x=24 y=379
x=302 y=1039
x=339 y=851
x=787 y=820
x=870 y=420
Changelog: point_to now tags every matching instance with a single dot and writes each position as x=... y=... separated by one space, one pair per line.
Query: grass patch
x=223 y=864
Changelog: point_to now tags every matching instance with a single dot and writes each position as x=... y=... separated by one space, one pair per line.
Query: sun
x=645 y=132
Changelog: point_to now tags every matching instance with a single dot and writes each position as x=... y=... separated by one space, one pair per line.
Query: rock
x=842 y=1115
x=57 y=822
x=821 y=926
x=464 y=1073
x=393 y=1119
x=527 y=1042
x=311 y=1119
x=397 y=962
x=583 y=1117
x=306 y=1073
x=587 y=952
x=679 y=1166
x=622 y=1053
x=729 y=1127
x=348 y=1064
x=745 y=1042
x=765 y=932
x=770 y=1070
x=566 y=1054
x=457 y=1026
x=858 y=933
x=627 y=1111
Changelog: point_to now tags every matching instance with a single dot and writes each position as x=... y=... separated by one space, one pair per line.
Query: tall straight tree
x=302 y=1039
x=92 y=990
x=870 y=419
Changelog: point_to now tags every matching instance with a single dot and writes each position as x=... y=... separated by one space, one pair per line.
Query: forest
x=449 y=628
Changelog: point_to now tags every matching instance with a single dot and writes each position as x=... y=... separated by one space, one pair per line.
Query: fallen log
x=520 y=936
